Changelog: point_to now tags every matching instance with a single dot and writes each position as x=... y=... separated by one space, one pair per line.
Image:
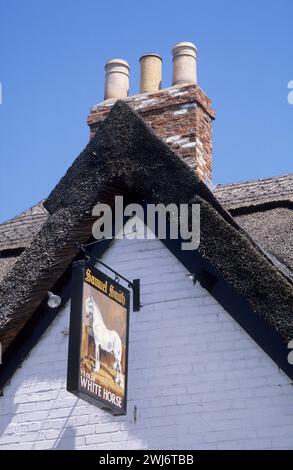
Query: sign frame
x=75 y=336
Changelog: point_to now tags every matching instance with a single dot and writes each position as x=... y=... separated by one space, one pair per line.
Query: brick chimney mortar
x=181 y=115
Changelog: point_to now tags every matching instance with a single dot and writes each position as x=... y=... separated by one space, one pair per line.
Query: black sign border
x=75 y=331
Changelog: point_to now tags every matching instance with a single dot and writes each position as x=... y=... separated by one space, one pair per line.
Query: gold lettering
x=118 y=296
x=88 y=275
x=103 y=286
x=94 y=281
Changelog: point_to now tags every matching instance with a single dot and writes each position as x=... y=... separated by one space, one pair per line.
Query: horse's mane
x=97 y=312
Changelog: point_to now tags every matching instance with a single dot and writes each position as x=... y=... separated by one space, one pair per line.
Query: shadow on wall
x=46 y=414
x=6 y=420
x=21 y=417
x=67 y=440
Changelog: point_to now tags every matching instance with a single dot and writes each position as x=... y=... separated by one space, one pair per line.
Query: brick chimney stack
x=181 y=115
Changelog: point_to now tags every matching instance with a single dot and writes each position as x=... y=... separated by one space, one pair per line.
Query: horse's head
x=92 y=310
x=89 y=307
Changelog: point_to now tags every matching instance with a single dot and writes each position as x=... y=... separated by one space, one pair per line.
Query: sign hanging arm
x=135 y=284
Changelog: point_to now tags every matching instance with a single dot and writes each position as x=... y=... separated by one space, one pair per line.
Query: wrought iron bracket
x=134 y=285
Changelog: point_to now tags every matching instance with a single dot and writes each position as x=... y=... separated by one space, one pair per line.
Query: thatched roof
x=256 y=192
x=264 y=209
x=126 y=157
x=17 y=233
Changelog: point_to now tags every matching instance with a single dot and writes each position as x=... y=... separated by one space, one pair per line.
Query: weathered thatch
x=126 y=157
x=264 y=209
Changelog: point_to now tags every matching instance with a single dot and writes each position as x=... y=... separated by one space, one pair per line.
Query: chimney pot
x=184 y=63
x=117 y=79
x=150 y=73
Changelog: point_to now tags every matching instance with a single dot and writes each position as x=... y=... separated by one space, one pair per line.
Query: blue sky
x=52 y=71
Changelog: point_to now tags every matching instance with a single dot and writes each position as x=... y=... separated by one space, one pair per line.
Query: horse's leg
x=116 y=371
x=117 y=351
x=121 y=383
x=97 y=366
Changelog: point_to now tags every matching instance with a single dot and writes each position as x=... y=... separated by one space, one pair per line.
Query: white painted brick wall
x=198 y=380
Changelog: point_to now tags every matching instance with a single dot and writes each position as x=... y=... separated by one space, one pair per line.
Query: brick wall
x=181 y=115
x=198 y=380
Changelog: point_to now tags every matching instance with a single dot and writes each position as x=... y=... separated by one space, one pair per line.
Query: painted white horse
x=108 y=340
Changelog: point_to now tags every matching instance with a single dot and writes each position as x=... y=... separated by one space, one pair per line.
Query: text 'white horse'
x=106 y=339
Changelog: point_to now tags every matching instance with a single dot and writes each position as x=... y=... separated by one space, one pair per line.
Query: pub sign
x=98 y=339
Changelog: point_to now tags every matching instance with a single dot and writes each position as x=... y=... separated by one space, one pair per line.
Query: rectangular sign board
x=98 y=339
